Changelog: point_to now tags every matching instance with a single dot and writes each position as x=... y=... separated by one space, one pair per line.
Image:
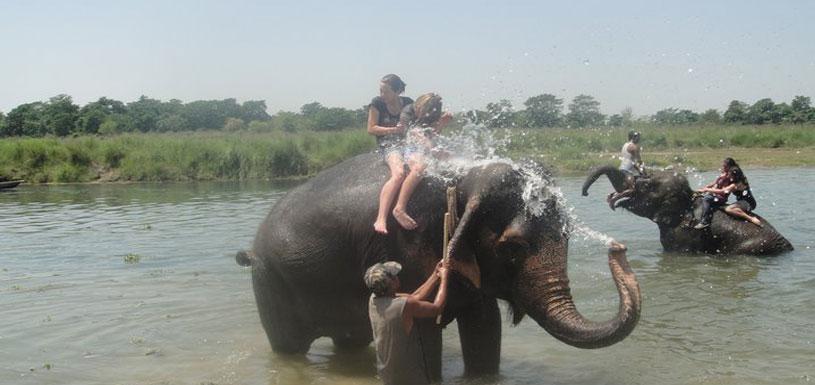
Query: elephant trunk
x=546 y=297
x=615 y=176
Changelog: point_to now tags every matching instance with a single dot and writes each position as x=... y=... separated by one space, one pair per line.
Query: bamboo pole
x=449 y=227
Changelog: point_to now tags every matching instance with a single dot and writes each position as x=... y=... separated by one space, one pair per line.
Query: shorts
x=743 y=205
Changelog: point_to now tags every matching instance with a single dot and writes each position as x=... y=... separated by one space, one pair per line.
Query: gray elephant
x=311 y=252
x=665 y=197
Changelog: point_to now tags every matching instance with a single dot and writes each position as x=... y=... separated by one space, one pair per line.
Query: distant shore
x=278 y=155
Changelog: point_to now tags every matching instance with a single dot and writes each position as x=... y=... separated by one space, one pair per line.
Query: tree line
x=546 y=110
x=59 y=116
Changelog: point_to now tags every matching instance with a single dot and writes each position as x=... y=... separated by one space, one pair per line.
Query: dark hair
x=633 y=134
x=730 y=162
x=738 y=176
x=394 y=82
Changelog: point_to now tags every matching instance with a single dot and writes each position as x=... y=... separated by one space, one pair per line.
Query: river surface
x=137 y=284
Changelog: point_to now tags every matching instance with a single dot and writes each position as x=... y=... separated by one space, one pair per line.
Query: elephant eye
x=512 y=250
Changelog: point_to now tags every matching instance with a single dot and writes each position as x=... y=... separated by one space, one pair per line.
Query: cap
x=378 y=276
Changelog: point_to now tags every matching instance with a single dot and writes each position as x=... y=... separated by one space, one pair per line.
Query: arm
x=417 y=308
x=442 y=122
x=634 y=150
x=725 y=190
x=424 y=290
x=374 y=129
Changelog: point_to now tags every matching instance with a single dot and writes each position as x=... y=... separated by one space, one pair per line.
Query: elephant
x=665 y=197
x=311 y=251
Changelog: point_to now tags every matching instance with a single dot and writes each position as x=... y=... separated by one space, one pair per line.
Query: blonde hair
x=427 y=108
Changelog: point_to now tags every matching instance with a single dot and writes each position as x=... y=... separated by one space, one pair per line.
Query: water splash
x=476 y=145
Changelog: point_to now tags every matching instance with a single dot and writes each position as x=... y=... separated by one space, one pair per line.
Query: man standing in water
x=399 y=355
x=630 y=165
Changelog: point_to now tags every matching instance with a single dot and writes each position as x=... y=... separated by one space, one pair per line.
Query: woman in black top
x=383 y=119
x=745 y=202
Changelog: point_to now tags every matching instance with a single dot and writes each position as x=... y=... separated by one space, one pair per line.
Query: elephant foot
x=404 y=219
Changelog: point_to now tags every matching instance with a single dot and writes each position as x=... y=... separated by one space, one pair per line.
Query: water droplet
x=690 y=70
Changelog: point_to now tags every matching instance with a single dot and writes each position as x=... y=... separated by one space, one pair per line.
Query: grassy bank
x=702 y=147
x=178 y=157
x=240 y=156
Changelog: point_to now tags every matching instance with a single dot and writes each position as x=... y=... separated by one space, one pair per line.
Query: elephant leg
x=430 y=335
x=288 y=333
x=479 y=328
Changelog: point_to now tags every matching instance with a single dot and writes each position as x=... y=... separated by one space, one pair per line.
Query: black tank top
x=386 y=119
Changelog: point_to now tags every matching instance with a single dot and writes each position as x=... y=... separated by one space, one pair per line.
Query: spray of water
x=476 y=145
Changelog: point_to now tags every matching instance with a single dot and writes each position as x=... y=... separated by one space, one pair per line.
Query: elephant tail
x=245 y=258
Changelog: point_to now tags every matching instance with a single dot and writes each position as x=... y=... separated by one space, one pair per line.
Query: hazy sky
x=647 y=54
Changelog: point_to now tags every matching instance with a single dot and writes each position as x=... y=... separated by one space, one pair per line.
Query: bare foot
x=381 y=227
x=756 y=221
x=404 y=219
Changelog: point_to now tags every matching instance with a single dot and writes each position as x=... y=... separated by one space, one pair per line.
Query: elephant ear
x=465 y=264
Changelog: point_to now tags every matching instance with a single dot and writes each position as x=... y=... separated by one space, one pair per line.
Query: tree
x=93 y=114
x=499 y=115
x=59 y=115
x=543 y=111
x=584 y=111
x=710 y=116
x=172 y=123
x=763 y=111
x=628 y=116
x=615 y=120
x=253 y=110
x=235 y=124
x=2 y=121
x=310 y=109
x=144 y=113
x=802 y=111
x=25 y=120
x=736 y=112
x=328 y=119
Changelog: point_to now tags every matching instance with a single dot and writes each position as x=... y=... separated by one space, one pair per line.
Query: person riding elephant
x=666 y=198
x=314 y=246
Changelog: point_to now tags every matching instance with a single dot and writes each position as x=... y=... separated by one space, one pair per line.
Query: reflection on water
x=74 y=312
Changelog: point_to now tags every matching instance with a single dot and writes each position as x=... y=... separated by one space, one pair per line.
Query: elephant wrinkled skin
x=311 y=251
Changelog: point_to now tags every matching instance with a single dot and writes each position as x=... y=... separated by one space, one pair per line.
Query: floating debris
x=132 y=258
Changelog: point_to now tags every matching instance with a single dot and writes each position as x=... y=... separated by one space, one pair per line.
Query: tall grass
x=178 y=157
x=273 y=155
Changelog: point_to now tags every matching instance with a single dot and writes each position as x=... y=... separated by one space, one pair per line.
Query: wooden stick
x=449 y=227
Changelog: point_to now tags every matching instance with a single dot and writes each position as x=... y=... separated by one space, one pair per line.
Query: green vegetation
x=179 y=156
x=152 y=140
x=701 y=146
x=244 y=155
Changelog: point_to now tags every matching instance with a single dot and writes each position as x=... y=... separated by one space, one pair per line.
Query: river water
x=137 y=284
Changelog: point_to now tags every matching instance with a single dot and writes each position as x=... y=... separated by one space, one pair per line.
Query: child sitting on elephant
x=423 y=120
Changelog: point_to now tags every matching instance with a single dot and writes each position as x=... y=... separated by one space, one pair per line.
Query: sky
x=647 y=55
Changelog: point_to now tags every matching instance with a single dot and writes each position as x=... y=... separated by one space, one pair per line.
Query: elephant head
x=661 y=196
x=521 y=246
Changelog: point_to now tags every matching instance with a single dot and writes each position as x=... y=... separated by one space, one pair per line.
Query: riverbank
x=281 y=155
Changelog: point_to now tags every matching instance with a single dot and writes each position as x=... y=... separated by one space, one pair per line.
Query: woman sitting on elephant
x=745 y=202
x=424 y=120
x=716 y=193
x=383 y=119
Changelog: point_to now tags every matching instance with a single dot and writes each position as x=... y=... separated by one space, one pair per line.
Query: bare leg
x=417 y=166
x=738 y=212
x=389 y=191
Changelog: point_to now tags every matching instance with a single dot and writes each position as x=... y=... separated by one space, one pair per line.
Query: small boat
x=10 y=184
